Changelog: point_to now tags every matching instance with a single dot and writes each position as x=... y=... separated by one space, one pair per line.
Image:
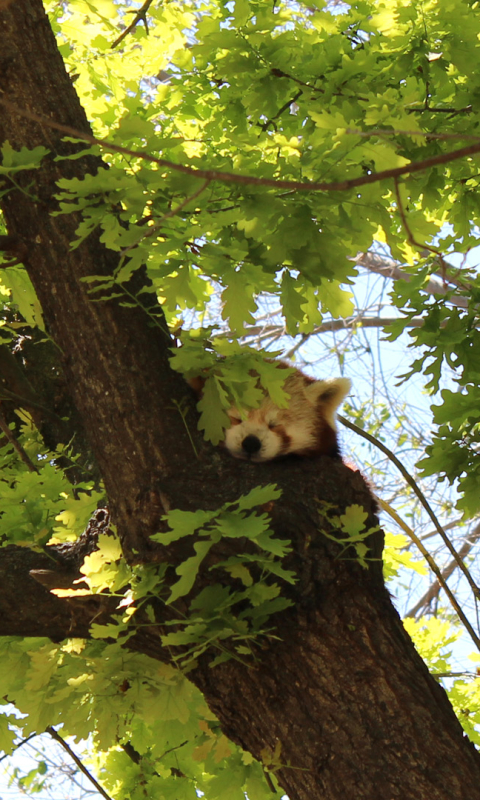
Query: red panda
x=306 y=427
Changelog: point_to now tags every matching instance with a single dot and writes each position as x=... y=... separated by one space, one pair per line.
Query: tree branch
x=250 y=180
x=81 y=766
x=140 y=16
x=435 y=569
x=423 y=500
x=262 y=332
x=16 y=444
x=433 y=591
x=391 y=269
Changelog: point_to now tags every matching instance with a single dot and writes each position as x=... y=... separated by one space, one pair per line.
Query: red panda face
x=306 y=427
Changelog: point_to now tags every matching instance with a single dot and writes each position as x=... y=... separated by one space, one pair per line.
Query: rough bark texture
x=342 y=691
x=109 y=352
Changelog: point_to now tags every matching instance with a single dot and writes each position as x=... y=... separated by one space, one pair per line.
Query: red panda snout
x=251 y=445
x=256 y=442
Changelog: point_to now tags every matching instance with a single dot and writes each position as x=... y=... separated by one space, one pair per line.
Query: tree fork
x=340 y=705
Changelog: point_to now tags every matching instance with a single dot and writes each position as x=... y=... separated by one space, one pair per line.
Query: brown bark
x=342 y=691
x=108 y=351
x=31 y=379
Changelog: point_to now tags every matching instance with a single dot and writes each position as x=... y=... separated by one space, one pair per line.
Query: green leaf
x=183 y=523
x=214 y=420
x=14 y=161
x=259 y=496
x=188 y=571
x=238 y=303
x=353 y=520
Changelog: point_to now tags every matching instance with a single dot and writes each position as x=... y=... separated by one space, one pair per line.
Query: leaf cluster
x=231 y=374
x=264 y=92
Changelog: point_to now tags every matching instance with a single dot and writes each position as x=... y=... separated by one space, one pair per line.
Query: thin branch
x=53 y=733
x=464 y=674
x=279 y=73
x=435 y=110
x=391 y=269
x=140 y=16
x=349 y=323
x=248 y=180
x=26 y=402
x=16 y=445
x=411 y=238
x=434 y=590
x=154 y=228
x=423 y=500
x=279 y=113
x=433 y=567
x=447 y=527
x=20 y=744
x=398 y=132
x=366 y=322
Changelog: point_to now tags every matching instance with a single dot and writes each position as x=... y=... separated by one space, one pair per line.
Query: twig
x=25 y=402
x=250 y=180
x=433 y=567
x=435 y=110
x=16 y=445
x=434 y=589
x=20 y=744
x=419 y=494
x=141 y=15
x=154 y=228
x=410 y=237
x=391 y=269
x=329 y=326
x=447 y=527
x=279 y=113
x=279 y=73
x=400 y=132
x=53 y=733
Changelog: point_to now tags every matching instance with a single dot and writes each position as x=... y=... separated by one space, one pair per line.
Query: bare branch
x=432 y=593
x=279 y=113
x=433 y=566
x=61 y=741
x=268 y=331
x=17 y=746
x=140 y=16
x=447 y=527
x=154 y=228
x=410 y=237
x=391 y=269
x=423 y=500
x=424 y=134
x=16 y=444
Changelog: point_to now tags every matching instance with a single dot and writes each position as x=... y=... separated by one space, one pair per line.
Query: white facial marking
x=270 y=443
x=274 y=431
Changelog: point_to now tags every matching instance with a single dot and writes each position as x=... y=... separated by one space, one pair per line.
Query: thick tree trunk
x=340 y=704
x=108 y=351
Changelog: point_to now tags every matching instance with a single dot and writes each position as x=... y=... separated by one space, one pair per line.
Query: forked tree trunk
x=339 y=704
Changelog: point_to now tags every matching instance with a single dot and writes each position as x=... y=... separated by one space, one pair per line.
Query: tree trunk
x=340 y=704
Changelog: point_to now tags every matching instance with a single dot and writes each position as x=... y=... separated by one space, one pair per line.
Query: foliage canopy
x=243 y=142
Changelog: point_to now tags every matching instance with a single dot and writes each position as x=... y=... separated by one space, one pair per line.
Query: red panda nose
x=251 y=444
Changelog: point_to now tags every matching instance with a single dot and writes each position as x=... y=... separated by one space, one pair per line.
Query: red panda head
x=306 y=427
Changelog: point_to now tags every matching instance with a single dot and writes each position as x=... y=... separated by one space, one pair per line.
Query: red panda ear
x=328 y=394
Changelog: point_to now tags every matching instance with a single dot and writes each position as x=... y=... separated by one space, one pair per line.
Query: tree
x=260 y=160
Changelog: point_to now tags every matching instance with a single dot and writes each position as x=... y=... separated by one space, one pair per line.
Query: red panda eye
x=272 y=424
x=235 y=421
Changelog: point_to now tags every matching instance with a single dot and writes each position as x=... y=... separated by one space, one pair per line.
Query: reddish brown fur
x=305 y=428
